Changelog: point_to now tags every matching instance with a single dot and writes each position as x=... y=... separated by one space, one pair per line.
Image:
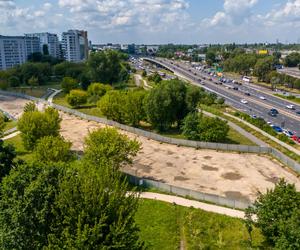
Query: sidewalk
x=196 y=204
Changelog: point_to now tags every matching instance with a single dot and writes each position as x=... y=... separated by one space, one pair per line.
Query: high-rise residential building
x=75 y=45
x=14 y=50
x=50 y=40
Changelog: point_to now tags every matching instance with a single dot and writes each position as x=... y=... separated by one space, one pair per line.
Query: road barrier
x=184 y=192
x=180 y=142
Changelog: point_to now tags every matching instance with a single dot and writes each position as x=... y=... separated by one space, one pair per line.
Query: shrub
x=77 y=97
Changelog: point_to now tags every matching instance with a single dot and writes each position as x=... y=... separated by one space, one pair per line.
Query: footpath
x=192 y=203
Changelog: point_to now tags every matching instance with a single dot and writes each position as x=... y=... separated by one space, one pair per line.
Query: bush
x=53 y=149
x=69 y=83
x=77 y=97
x=97 y=90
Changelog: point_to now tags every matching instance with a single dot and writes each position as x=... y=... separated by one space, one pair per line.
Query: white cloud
x=235 y=12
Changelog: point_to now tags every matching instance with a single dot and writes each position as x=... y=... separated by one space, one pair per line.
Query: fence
x=195 y=144
x=211 y=198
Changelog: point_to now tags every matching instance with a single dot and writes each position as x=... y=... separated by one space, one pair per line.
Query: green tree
x=53 y=149
x=277 y=214
x=7 y=157
x=134 y=107
x=95 y=211
x=97 y=90
x=108 y=146
x=199 y=127
x=36 y=125
x=263 y=67
x=77 y=97
x=210 y=57
x=69 y=83
x=112 y=105
x=29 y=107
x=33 y=81
x=107 y=67
x=14 y=81
x=2 y=124
x=292 y=60
x=193 y=96
x=27 y=197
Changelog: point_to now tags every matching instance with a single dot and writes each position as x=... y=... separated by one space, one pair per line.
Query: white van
x=247 y=79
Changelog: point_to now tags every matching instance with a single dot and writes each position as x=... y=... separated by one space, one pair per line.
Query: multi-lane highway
x=259 y=103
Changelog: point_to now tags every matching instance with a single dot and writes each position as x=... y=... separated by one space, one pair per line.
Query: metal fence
x=195 y=144
x=184 y=192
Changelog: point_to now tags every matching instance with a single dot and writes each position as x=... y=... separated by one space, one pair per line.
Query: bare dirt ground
x=234 y=175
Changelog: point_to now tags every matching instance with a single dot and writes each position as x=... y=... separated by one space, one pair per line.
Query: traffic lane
x=253 y=108
x=250 y=108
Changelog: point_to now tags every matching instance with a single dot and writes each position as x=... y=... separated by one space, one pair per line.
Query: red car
x=295 y=138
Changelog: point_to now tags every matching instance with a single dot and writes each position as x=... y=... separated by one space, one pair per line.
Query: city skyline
x=157 y=21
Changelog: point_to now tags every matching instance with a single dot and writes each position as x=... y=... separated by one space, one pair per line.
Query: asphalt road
x=255 y=105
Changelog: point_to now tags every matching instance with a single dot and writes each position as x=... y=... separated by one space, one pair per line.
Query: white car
x=291 y=106
x=262 y=98
x=244 y=101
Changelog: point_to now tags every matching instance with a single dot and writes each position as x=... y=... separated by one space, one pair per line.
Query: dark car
x=277 y=129
x=247 y=93
x=298 y=112
x=275 y=111
x=235 y=88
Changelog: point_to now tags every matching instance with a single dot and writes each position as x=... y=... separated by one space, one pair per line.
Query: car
x=295 y=138
x=262 y=98
x=235 y=88
x=290 y=106
x=247 y=93
x=277 y=129
x=254 y=116
x=244 y=101
x=275 y=111
x=298 y=112
x=288 y=133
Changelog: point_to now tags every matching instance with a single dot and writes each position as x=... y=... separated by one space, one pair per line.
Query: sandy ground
x=234 y=175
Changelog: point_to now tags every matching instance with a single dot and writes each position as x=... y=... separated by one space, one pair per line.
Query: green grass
x=22 y=153
x=167 y=226
x=61 y=100
x=292 y=99
x=9 y=125
x=235 y=137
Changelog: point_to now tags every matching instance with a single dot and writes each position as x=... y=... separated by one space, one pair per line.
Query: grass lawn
x=235 y=137
x=22 y=153
x=9 y=125
x=167 y=226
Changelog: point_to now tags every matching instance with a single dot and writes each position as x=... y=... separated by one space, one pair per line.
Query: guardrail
x=195 y=144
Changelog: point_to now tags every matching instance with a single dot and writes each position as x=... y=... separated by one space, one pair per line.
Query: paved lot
x=234 y=175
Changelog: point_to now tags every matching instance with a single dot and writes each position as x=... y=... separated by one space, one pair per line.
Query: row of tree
x=107 y=66
x=55 y=201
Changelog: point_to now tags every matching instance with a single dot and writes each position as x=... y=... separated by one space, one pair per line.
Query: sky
x=157 y=21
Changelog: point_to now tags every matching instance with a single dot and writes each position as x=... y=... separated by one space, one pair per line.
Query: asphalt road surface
x=287 y=119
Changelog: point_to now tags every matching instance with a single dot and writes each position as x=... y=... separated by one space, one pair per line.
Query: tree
x=277 y=214
x=97 y=90
x=2 y=124
x=27 y=197
x=112 y=105
x=95 y=211
x=30 y=70
x=292 y=60
x=13 y=81
x=77 y=97
x=53 y=149
x=156 y=78
x=158 y=107
x=107 y=67
x=7 y=157
x=193 y=96
x=69 y=83
x=29 y=107
x=134 y=107
x=33 y=81
x=210 y=57
x=202 y=128
x=263 y=67
x=108 y=146
x=36 y=125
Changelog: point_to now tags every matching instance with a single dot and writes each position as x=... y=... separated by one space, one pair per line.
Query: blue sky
x=157 y=21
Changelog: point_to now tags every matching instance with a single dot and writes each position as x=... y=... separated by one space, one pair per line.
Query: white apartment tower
x=75 y=45
x=14 y=50
x=51 y=40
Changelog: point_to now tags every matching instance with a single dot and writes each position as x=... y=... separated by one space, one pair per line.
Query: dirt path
x=196 y=204
x=228 y=174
